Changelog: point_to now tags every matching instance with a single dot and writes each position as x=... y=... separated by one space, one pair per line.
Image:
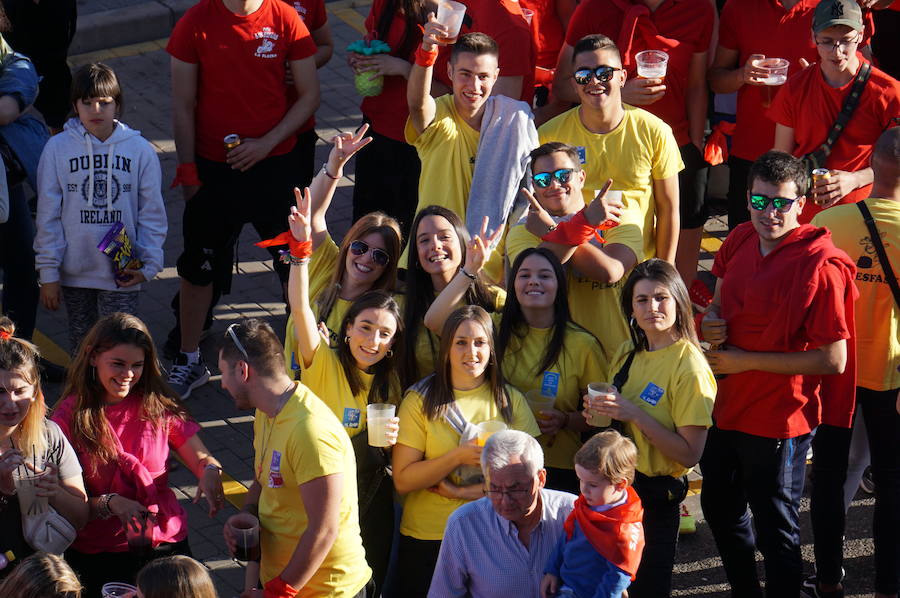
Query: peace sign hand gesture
x=538 y=222
x=343 y=148
x=480 y=247
x=299 y=219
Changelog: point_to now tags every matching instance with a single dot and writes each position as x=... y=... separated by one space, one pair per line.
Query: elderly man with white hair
x=499 y=545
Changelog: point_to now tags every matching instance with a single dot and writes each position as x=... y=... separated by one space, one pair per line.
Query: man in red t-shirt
x=809 y=103
x=228 y=73
x=784 y=295
x=750 y=30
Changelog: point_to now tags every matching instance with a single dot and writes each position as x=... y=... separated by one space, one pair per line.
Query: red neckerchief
x=638 y=30
x=617 y=534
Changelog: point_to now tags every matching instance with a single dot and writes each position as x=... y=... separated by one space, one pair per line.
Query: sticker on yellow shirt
x=550 y=384
x=652 y=393
x=351 y=417
x=275 y=479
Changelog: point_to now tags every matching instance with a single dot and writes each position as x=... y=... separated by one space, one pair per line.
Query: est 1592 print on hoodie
x=84 y=187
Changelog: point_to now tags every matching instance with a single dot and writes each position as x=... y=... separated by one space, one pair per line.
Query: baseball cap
x=837 y=12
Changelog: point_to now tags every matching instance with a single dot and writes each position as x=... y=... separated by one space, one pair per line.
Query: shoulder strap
x=817 y=158
x=879 y=249
x=621 y=377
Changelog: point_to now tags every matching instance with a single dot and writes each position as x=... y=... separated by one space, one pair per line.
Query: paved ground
x=143 y=69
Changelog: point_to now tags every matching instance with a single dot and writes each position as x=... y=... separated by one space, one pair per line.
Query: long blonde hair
x=21 y=357
x=42 y=575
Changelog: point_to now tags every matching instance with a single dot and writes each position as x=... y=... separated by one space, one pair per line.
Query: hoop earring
x=93 y=373
x=347 y=339
x=389 y=354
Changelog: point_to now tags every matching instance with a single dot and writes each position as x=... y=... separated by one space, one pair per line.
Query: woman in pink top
x=122 y=418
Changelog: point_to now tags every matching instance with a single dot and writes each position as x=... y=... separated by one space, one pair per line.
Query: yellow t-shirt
x=593 y=305
x=304 y=442
x=322 y=264
x=877 y=317
x=325 y=377
x=637 y=152
x=579 y=363
x=424 y=512
x=676 y=387
x=447 y=149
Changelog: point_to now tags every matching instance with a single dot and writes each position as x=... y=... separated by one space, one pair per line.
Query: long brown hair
x=384 y=370
x=413 y=12
x=42 y=575
x=89 y=426
x=21 y=357
x=665 y=274
x=437 y=389
x=176 y=576
x=376 y=222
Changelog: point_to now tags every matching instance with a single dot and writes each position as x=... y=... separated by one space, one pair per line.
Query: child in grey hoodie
x=97 y=172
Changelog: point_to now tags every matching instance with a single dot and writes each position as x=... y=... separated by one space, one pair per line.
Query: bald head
x=886 y=165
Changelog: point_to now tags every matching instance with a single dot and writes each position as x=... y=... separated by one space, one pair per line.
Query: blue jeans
x=765 y=474
x=20 y=289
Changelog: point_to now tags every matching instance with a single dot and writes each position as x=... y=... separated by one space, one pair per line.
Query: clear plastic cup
x=776 y=70
x=450 y=14
x=487 y=429
x=118 y=590
x=539 y=402
x=528 y=14
x=26 y=487
x=245 y=529
x=651 y=64
x=597 y=389
x=378 y=415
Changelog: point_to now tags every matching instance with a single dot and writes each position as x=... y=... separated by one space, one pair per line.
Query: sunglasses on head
x=379 y=256
x=543 y=179
x=758 y=201
x=601 y=73
x=237 y=343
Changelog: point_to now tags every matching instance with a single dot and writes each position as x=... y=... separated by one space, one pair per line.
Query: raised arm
x=418 y=89
x=306 y=333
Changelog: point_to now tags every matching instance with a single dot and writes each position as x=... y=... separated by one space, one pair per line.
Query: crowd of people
x=518 y=292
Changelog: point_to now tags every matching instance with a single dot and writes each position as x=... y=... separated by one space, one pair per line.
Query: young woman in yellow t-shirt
x=466 y=387
x=358 y=371
x=666 y=405
x=437 y=249
x=543 y=353
x=366 y=259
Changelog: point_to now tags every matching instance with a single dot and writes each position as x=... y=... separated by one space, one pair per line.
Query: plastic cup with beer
x=651 y=64
x=776 y=70
x=450 y=14
x=598 y=389
x=539 y=402
x=140 y=536
x=488 y=428
x=245 y=530
x=26 y=481
x=117 y=589
x=378 y=416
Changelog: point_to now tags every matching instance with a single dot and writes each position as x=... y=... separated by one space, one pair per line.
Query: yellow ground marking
x=50 y=350
x=119 y=52
x=710 y=244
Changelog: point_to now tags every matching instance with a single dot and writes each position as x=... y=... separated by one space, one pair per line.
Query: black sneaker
x=185 y=377
x=867 y=483
x=810 y=588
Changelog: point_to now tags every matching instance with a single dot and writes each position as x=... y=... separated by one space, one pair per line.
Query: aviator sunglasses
x=601 y=73
x=758 y=201
x=543 y=179
x=379 y=256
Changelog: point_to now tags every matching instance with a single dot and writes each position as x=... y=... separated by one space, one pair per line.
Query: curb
x=129 y=25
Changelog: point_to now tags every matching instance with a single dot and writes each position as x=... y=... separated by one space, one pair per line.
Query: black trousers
x=416 y=560
x=94 y=570
x=831 y=452
x=661 y=497
x=738 y=170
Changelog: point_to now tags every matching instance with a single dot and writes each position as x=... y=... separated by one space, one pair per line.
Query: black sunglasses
x=543 y=179
x=758 y=202
x=602 y=73
x=379 y=256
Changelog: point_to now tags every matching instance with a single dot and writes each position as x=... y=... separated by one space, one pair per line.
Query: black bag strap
x=879 y=249
x=621 y=377
x=816 y=159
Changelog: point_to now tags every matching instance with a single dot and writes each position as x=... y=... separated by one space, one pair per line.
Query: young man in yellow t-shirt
x=632 y=147
x=594 y=271
x=304 y=488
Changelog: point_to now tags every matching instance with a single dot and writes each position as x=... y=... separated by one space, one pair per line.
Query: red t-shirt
x=687 y=27
x=790 y=300
x=313 y=15
x=240 y=87
x=547 y=31
x=809 y=105
x=387 y=112
x=504 y=22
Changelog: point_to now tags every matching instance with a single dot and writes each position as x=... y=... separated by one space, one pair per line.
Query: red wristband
x=573 y=232
x=278 y=588
x=298 y=249
x=186 y=175
x=424 y=58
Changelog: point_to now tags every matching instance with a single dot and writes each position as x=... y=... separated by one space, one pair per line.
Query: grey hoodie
x=84 y=187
